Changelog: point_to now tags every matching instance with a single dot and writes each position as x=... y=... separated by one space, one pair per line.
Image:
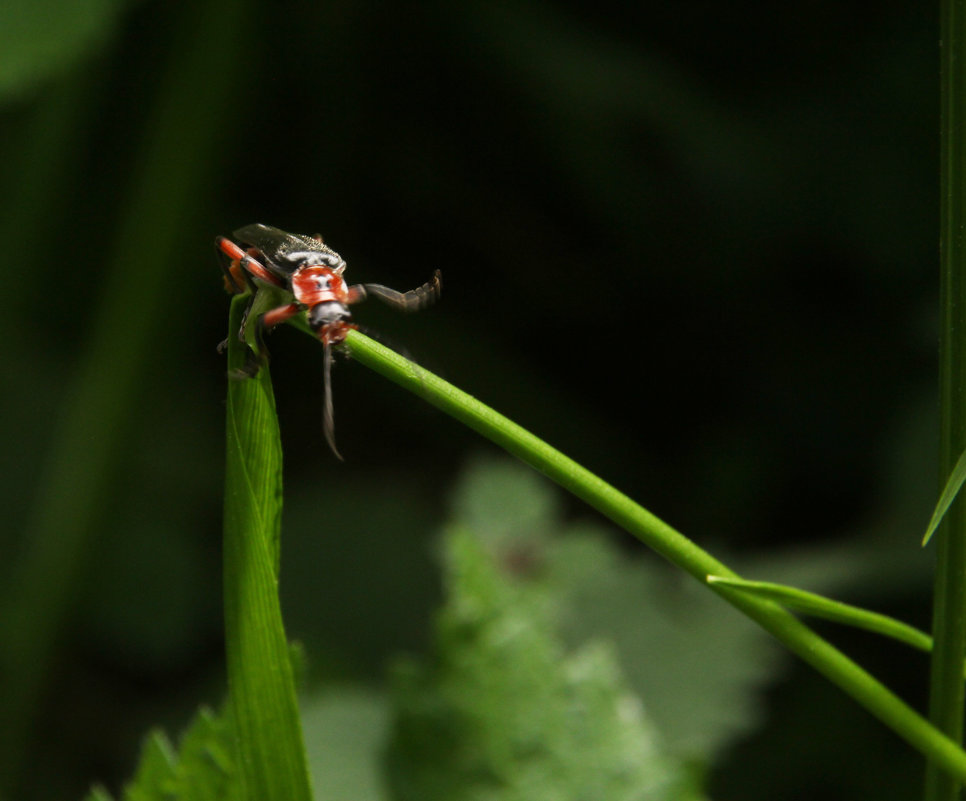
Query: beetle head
x=328 y=313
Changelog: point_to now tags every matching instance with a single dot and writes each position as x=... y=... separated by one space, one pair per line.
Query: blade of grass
x=827 y=609
x=948 y=495
x=668 y=542
x=261 y=681
x=101 y=396
x=946 y=690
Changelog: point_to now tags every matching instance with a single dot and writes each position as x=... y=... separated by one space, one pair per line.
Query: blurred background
x=694 y=246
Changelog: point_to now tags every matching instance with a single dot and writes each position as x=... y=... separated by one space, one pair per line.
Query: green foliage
x=505 y=713
x=260 y=675
x=109 y=371
x=539 y=672
x=669 y=543
x=200 y=769
x=267 y=737
x=729 y=226
x=507 y=709
x=39 y=39
x=662 y=628
x=345 y=731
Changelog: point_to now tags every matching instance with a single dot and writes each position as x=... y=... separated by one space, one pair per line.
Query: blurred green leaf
x=663 y=627
x=505 y=713
x=345 y=732
x=665 y=631
x=200 y=769
x=99 y=404
x=41 y=39
x=504 y=503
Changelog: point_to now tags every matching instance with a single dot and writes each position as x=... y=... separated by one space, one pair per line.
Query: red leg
x=239 y=277
x=280 y=314
x=250 y=265
x=237 y=281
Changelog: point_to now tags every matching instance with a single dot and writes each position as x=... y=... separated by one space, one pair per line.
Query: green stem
x=816 y=605
x=668 y=542
x=949 y=598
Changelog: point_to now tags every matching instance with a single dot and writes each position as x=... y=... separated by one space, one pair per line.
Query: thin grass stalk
x=669 y=543
x=949 y=599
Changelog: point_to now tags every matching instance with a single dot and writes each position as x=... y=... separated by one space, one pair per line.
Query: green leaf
x=507 y=505
x=260 y=676
x=345 y=732
x=820 y=606
x=41 y=39
x=700 y=706
x=663 y=630
x=505 y=713
x=200 y=769
x=265 y=735
x=953 y=484
x=103 y=401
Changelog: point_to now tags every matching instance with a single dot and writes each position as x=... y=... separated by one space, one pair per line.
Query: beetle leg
x=238 y=271
x=413 y=300
x=246 y=261
x=279 y=315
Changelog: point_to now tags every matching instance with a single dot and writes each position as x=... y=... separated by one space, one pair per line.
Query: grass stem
x=671 y=544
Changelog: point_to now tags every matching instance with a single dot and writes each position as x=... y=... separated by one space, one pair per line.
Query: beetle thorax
x=313 y=285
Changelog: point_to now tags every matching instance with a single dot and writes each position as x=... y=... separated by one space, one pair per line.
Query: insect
x=309 y=273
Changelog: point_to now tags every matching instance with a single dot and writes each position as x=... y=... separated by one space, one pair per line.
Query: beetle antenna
x=328 y=412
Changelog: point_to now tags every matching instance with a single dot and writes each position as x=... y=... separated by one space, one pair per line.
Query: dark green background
x=692 y=245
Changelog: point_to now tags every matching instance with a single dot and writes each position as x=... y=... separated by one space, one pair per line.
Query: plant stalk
x=949 y=598
x=668 y=542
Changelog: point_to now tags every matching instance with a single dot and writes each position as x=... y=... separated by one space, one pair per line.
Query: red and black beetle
x=310 y=272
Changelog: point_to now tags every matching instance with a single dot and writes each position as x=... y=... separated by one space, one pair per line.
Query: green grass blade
x=668 y=542
x=112 y=354
x=946 y=690
x=819 y=606
x=949 y=493
x=260 y=677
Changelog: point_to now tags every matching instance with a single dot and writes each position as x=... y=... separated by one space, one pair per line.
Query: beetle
x=309 y=272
